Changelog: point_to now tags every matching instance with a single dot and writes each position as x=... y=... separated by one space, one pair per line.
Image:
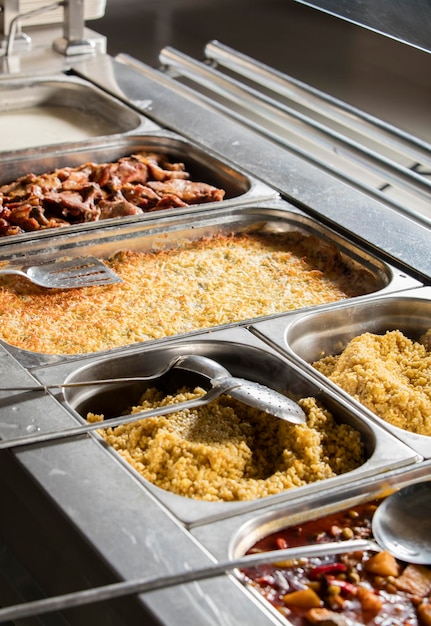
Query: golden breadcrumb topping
x=200 y=284
x=389 y=374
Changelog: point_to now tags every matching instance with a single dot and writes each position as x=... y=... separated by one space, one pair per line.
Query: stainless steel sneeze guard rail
x=373 y=155
x=115 y=590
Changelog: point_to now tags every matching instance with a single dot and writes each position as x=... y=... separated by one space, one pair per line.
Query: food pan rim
x=247 y=188
x=419 y=443
x=270 y=211
x=196 y=512
x=136 y=120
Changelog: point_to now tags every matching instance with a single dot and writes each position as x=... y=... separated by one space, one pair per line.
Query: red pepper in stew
x=349 y=591
x=344 y=585
x=325 y=570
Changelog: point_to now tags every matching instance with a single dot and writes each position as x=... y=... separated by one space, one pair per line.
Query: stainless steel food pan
x=232 y=537
x=244 y=356
x=42 y=111
x=165 y=234
x=202 y=166
x=315 y=335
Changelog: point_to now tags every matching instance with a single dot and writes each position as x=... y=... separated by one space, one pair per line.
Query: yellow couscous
x=226 y=451
x=389 y=374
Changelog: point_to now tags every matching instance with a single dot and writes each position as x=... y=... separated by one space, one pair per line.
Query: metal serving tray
x=315 y=335
x=167 y=233
x=40 y=111
x=232 y=537
x=202 y=165
x=244 y=356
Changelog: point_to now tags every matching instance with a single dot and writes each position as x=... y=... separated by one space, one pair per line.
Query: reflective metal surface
x=143 y=235
x=317 y=191
x=73 y=512
x=59 y=109
x=389 y=17
x=327 y=332
x=401 y=524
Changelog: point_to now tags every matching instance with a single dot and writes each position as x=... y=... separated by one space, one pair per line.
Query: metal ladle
x=250 y=393
x=402 y=523
x=407 y=512
x=246 y=391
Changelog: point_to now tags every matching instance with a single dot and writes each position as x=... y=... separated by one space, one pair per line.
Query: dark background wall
x=382 y=76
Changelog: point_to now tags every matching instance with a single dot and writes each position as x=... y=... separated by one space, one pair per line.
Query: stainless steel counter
x=75 y=516
x=312 y=188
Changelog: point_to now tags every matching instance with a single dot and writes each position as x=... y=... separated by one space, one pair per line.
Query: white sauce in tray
x=39 y=126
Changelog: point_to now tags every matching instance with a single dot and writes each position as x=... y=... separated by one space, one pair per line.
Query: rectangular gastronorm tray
x=202 y=165
x=164 y=234
x=232 y=537
x=244 y=356
x=29 y=100
x=315 y=335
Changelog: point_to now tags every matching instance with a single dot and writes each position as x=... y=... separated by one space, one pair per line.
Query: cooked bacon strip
x=131 y=185
x=160 y=168
x=119 y=207
x=188 y=191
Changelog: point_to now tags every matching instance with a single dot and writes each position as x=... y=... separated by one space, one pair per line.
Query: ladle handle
x=190 y=362
x=128 y=587
x=216 y=391
x=177 y=360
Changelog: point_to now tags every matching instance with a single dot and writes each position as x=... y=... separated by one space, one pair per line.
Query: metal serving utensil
x=129 y=587
x=74 y=273
x=402 y=523
x=216 y=391
x=247 y=391
x=251 y=393
x=409 y=503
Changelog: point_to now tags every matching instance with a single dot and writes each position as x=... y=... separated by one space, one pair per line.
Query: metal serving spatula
x=74 y=273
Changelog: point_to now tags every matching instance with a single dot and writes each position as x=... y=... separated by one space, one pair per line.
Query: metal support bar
x=73 y=41
x=358 y=157
x=9 y=23
x=8 y=10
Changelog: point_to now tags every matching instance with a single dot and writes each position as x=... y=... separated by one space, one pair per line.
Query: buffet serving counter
x=295 y=165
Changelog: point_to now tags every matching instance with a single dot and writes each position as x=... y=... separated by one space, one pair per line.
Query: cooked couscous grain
x=226 y=451
x=389 y=374
x=201 y=284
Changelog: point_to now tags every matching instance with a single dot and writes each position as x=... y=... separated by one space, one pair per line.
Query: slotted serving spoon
x=408 y=504
x=74 y=273
x=250 y=393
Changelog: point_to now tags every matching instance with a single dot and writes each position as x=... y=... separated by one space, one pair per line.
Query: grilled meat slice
x=160 y=168
x=30 y=217
x=169 y=201
x=78 y=205
x=141 y=196
x=118 y=207
x=131 y=185
x=188 y=191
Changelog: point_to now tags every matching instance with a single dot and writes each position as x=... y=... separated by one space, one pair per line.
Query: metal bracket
x=73 y=41
x=10 y=28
